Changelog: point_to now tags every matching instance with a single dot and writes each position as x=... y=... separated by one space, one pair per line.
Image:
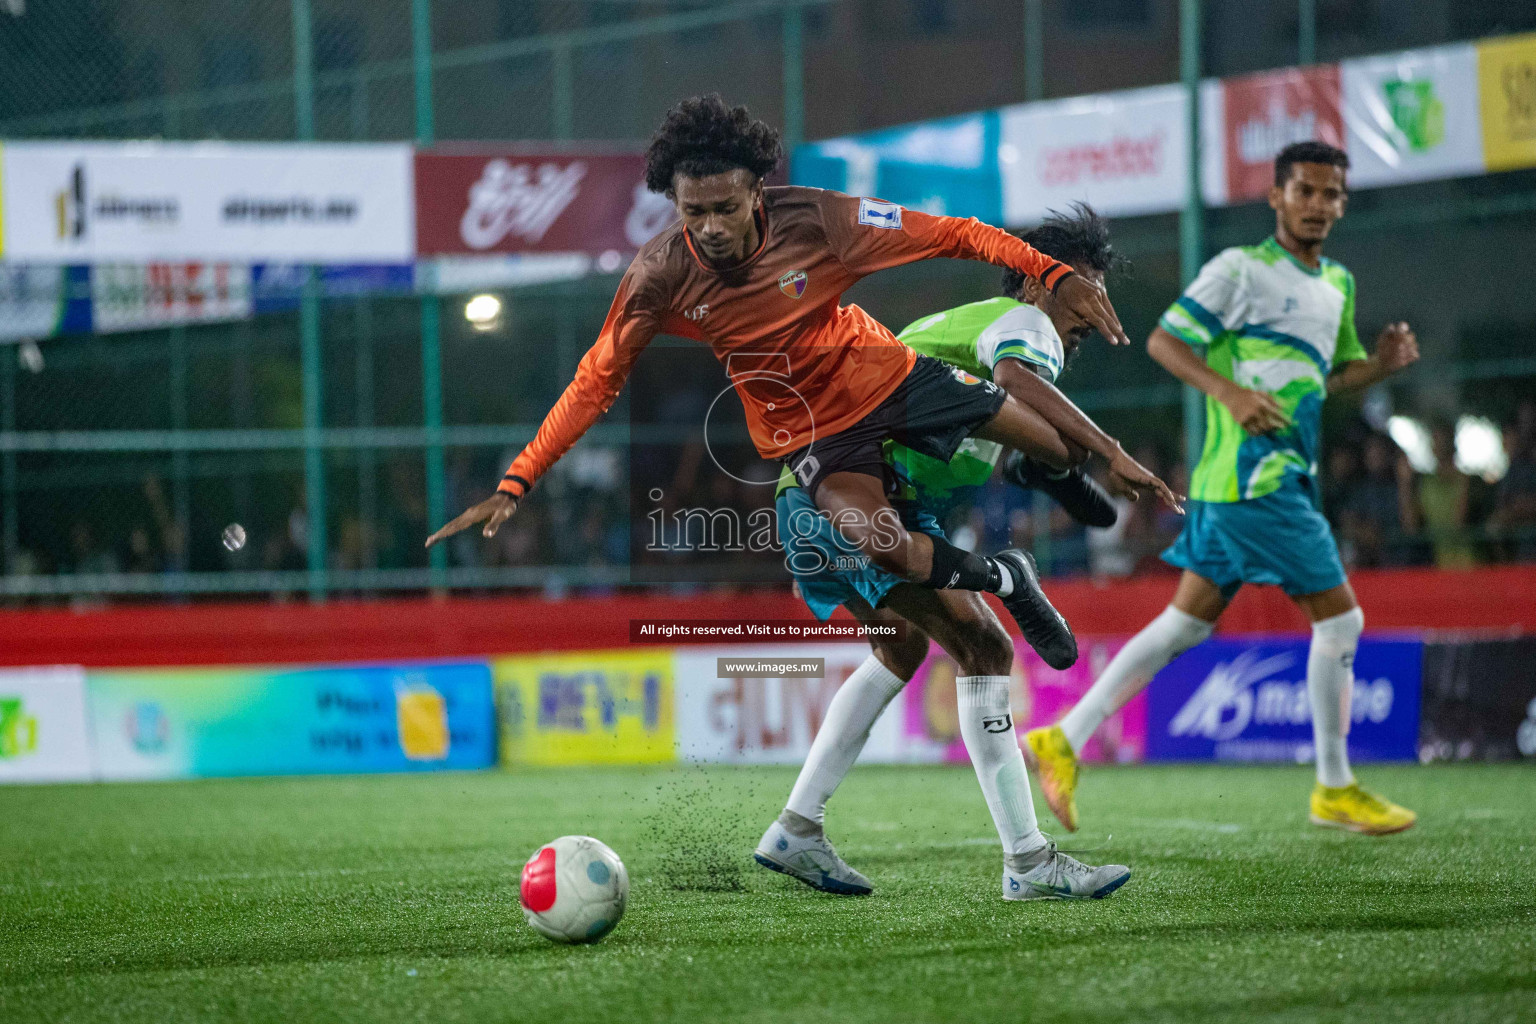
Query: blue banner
x=945 y=167
x=1234 y=699
x=188 y=723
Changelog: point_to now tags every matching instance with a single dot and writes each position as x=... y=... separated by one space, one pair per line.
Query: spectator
x=1514 y=511
x=1437 y=503
x=85 y=555
x=1370 y=510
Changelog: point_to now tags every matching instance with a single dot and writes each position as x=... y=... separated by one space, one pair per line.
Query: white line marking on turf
x=1187 y=824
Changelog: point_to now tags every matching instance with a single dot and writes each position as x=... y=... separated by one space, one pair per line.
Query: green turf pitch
x=375 y=899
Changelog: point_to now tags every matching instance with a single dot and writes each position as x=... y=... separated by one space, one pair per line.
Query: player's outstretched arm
x=1397 y=348
x=1255 y=411
x=1128 y=478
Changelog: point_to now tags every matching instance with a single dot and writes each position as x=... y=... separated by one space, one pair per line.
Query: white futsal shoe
x=812 y=860
x=1060 y=877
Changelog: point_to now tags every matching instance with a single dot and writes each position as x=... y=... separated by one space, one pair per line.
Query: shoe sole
x=1356 y=827
x=1048 y=790
x=823 y=882
x=1098 y=894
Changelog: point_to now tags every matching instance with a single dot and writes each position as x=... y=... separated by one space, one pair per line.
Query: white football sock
x=1330 y=682
x=850 y=716
x=986 y=725
x=1163 y=639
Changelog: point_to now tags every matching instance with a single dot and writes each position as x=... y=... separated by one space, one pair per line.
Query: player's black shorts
x=935 y=408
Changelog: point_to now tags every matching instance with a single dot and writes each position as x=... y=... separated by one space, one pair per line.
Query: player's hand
x=1397 y=347
x=1090 y=301
x=1129 y=479
x=495 y=510
x=1256 y=411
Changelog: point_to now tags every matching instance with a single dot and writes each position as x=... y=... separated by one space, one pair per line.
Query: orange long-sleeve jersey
x=803 y=365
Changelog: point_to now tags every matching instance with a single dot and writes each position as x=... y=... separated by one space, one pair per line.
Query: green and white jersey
x=1269 y=322
x=973 y=337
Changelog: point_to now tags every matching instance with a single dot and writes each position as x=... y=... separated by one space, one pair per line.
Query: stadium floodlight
x=1480 y=448
x=1413 y=438
x=483 y=312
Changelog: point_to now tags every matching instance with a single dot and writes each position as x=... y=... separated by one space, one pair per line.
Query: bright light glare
x=1413 y=438
x=483 y=311
x=1480 y=448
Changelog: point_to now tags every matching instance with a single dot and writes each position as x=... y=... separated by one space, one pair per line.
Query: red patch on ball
x=538 y=888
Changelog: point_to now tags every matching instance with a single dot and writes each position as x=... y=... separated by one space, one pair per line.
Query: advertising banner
x=1235 y=699
x=1479 y=701
x=1506 y=85
x=948 y=166
x=31 y=301
x=591 y=707
x=1124 y=153
x=185 y=723
x=1040 y=696
x=485 y=201
x=43 y=735
x=138 y=296
x=1262 y=114
x=1412 y=116
x=92 y=202
x=768 y=720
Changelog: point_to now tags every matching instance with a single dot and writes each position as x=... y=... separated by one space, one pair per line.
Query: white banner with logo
x=753 y=720
x=1413 y=116
x=139 y=296
x=43 y=735
x=1124 y=153
x=68 y=202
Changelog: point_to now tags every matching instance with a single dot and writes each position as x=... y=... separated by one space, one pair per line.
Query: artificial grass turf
x=383 y=898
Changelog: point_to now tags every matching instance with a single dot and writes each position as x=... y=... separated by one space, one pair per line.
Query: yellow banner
x=1506 y=83
x=593 y=707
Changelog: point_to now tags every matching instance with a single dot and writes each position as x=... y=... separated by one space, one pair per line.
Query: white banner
x=98 y=202
x=1125 y=153
x=1413 y=116
x=31 y=301
x=768 y=721
x=139 y=296
x=42 y=725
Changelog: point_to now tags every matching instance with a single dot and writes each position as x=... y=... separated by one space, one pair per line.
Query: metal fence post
x=311 y=358
x=1192 y=220
x=794 y=76
x=1034 y=50
x=1306 y=32
x=431 y=327
x=12 y=523
x=563 y=93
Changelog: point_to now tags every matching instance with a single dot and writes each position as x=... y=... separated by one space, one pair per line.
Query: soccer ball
x=574 y=889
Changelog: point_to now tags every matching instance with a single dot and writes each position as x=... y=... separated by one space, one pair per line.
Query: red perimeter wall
x=1500 y=598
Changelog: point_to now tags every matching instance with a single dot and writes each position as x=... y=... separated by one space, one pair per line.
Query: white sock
x=986 y=725
x=1163 y=639
x=850 y=716
x=1330 y=680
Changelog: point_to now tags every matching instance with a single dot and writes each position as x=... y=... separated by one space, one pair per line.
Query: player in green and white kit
x=1267 y=332
x=1020 y=343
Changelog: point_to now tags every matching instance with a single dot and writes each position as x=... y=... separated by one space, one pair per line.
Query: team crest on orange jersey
x=793 y=283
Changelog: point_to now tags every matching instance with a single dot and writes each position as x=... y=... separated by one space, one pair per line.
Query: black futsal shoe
x=1082 y=496
x=1041 y=624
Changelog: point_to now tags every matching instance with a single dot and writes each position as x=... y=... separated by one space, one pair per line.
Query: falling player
x=1266 y=332
x=1021 y=341
x=757 y=274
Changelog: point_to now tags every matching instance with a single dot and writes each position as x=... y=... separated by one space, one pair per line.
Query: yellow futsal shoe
x=1050 y=755
x=1357 y=810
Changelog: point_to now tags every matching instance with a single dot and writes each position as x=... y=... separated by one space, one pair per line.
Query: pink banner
x=1040 y=696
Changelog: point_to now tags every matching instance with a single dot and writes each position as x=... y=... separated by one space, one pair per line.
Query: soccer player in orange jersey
x=757 y=274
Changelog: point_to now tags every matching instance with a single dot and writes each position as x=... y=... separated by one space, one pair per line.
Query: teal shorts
x=1280 y=539
x=829 y=569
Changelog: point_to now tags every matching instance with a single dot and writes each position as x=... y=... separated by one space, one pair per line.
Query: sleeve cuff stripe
x=1203 y=316
x=522 y=488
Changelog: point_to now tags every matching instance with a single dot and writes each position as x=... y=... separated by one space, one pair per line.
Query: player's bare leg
x=796 y=844
x=1338 y=801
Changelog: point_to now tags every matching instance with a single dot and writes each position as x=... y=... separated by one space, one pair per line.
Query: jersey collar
x=761 y=216
x=1273 y=244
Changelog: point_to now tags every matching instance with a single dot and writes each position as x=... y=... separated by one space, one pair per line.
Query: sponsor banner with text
x=498 y=201
x=1264 y=113
x=1040 y=696
x=189 y=723
x=1125 y=153
x=1245 y=699
x=43 y=733
x=594 y=707
x=1479 y=700
x=93 y=202
x=1412 y=116
x=1506 y=74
